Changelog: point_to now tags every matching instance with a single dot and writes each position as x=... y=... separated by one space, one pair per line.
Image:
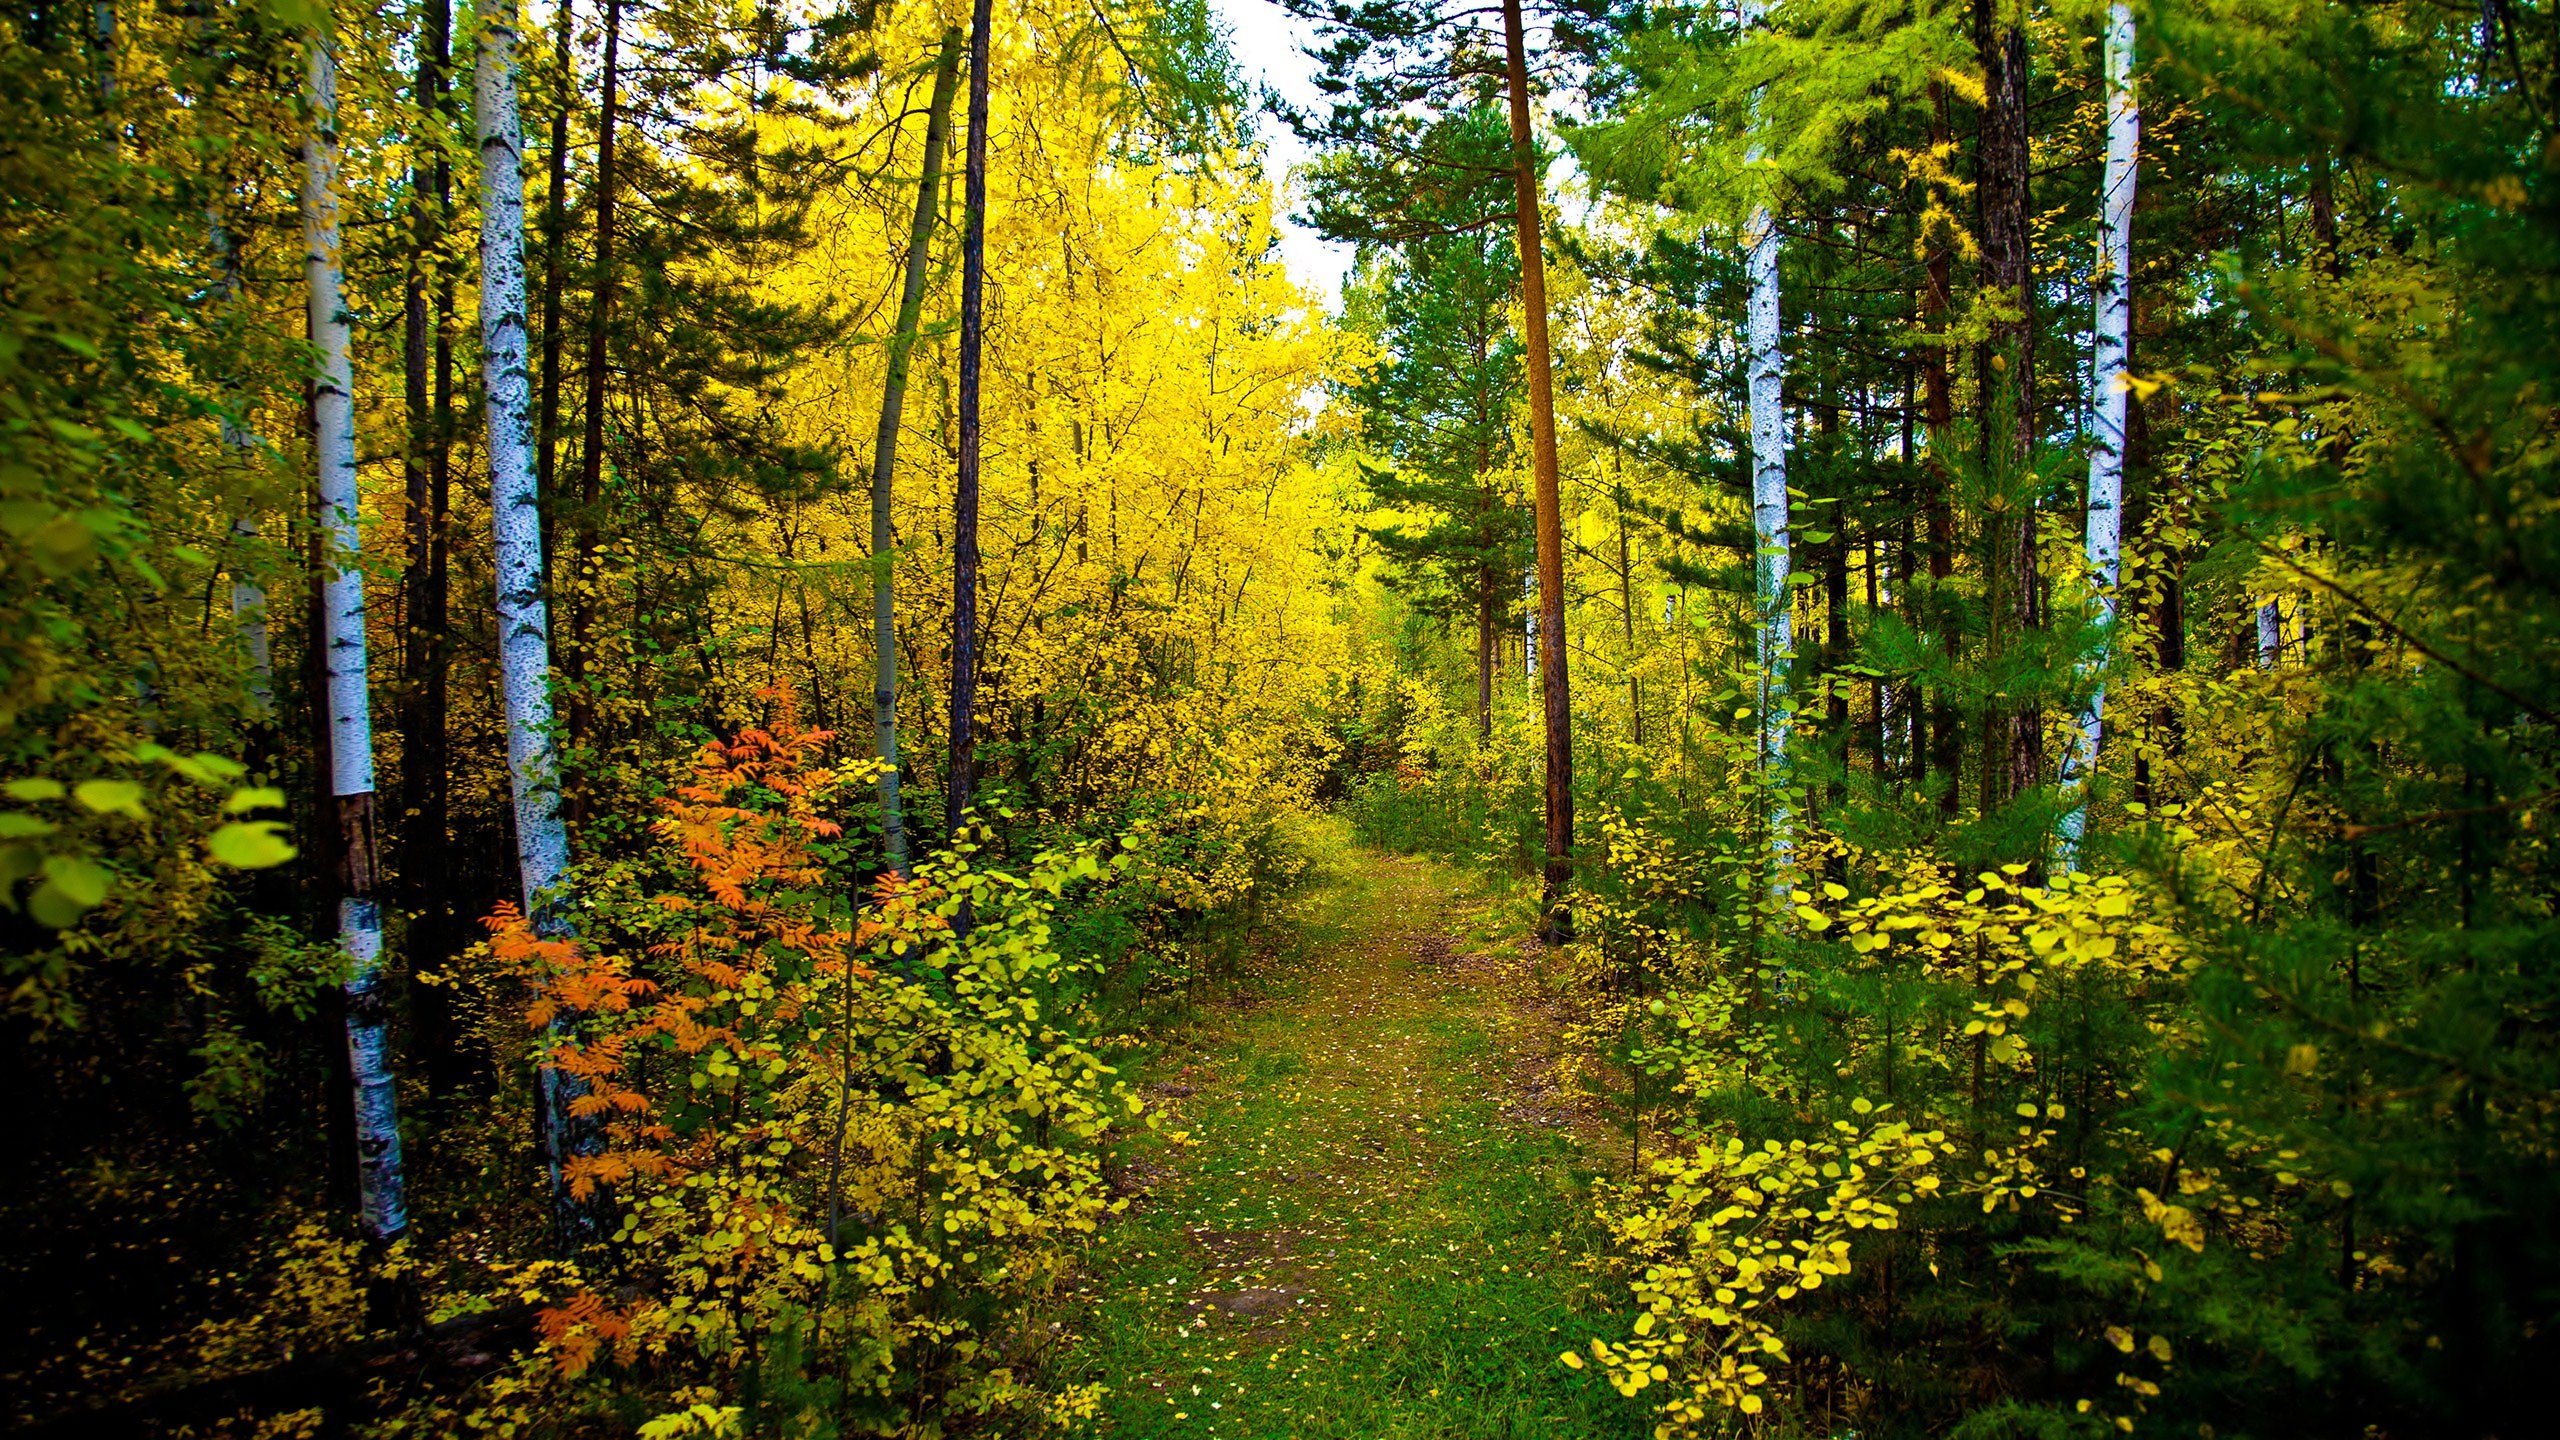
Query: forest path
x=1368 y=1228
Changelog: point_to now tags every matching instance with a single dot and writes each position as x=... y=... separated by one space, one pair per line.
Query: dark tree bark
x=555 y=265
x=964 y=520
x=2006 y=371
x=1945 y=741
x=591 y=454
x=427 y=365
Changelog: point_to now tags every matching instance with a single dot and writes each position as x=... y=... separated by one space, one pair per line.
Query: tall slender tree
x=884 y=450
x=1766 y=368
x=2108 y=402
x=427 y=372
x=1548 y=498
x=2005 y=381
x=964 y=518
x=555 y=253
x=349 y=710
x=515 y=535
x=599 y=355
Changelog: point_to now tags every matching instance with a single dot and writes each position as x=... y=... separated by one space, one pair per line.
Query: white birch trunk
x=2270 y=634
x=385 y=1216
x=1529 y=632
x=2108 y=398
x=515 y=546
x=1766 y=367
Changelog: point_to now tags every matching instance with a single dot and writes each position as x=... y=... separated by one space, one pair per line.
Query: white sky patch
x=1268 y=42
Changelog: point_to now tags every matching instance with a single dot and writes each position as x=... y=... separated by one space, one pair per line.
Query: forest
x=1851 y=745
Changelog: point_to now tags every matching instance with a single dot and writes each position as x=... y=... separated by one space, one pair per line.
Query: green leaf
x=250 y=845
x=253 y=797
x=81 y=880
x=34 y=787
x=62 y=546
x=21 y=518
x=53 y=909
x=111 y=797
x=19 y=825
x=17 y=862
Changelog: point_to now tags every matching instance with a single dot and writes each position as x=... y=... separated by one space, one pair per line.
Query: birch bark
x=350 y=715
x=1766 y=368
x=2108 y=398
x=515 y=525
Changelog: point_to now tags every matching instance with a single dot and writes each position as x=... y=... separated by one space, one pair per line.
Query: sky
x=1267 y=40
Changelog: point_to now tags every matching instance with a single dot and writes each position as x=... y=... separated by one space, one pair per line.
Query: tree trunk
x=2108 y=399
x=1946 y=732
x=591 y=454
x=427 y=362
x=1627 y=622
x=1766 y=371
x=1557 y=923
x=555 y=265
x=515 y=534
x=1484 y=654
x=2007 y=370
x=884 y=454
x=382 y=1213
x=964 y=519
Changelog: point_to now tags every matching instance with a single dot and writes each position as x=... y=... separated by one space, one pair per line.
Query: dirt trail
x=1365 y=1227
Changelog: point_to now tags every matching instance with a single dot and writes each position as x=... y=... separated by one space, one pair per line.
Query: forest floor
x=1361 y=1214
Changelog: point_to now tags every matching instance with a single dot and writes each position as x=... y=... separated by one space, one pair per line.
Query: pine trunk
x=2007 y=377
x=884 y=454
x=591 y=454
x=1946 y=732
x=1557 y=924
x=349 y=715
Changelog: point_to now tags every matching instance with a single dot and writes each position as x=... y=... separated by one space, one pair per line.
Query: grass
x=1349 y=1238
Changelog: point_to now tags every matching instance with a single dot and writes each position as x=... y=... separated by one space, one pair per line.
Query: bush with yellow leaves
x=1722 y=1235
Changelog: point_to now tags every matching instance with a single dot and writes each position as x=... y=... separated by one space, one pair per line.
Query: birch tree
x=515 y=536
x=348 y=732
x=2107 y=402
x=1765 y=366
x=884 y=453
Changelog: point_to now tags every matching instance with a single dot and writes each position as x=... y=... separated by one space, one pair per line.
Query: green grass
x=1355 y=1242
